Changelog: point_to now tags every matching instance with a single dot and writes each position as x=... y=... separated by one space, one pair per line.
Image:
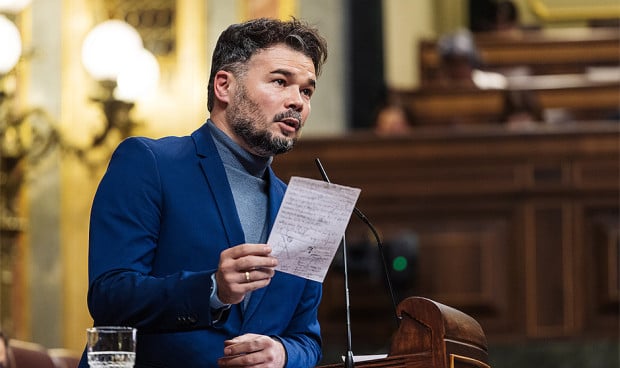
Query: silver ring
x=247 y=276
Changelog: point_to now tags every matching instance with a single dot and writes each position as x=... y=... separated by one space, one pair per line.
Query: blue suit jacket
x=162 y=214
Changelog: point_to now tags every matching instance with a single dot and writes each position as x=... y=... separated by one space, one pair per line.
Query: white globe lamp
x=138 y=78
x=13 y=6
x=11 y=49
x=108 y=47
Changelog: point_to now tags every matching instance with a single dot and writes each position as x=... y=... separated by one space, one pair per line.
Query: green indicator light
x=399 y=263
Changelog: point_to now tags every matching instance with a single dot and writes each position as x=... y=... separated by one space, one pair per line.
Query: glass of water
x=111 y=347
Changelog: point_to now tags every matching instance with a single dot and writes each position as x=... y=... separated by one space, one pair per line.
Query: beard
x=252 y=126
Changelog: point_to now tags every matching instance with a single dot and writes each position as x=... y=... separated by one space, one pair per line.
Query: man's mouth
x=291 y=122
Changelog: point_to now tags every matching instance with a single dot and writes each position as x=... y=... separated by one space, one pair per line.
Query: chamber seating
x=543 y=52
x=572 y=73
x=579 y=96
x=25 y=354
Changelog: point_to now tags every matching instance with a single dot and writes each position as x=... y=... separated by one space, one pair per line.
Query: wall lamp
x=113 y=55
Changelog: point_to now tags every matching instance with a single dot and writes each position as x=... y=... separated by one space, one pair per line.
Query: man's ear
x=222 y=85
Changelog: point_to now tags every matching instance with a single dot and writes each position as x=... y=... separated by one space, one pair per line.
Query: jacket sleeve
x=125 y=220
x=302 y=339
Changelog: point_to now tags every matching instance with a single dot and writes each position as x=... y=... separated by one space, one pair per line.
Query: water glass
x=111 y=347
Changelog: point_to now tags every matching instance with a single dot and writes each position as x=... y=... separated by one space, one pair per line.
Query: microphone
x=349 y=358
x=386 y=270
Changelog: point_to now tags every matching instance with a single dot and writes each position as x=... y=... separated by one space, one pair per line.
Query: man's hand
x=243 y=268
x=251 y=350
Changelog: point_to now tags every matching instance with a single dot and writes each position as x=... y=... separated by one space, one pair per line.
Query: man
x=179 y=225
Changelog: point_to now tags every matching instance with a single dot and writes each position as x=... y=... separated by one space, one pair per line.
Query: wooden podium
x=432 y=335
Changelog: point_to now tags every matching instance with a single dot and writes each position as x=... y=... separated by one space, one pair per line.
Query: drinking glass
x=111 y=347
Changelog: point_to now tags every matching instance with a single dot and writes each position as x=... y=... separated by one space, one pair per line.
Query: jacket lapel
x=215 y=174
x=276 y=195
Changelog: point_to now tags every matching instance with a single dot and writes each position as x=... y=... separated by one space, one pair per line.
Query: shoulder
x=140 y=148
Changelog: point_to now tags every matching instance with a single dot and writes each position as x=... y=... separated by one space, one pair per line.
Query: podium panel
x=432 y=335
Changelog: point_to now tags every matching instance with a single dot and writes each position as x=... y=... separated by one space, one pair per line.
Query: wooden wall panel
x=548 y=272
x=517 y=229
x=600 y=280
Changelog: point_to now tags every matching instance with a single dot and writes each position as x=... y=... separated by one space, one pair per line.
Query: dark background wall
x=366 y=86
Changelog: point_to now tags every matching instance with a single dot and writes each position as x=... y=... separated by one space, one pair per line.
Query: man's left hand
x=252 y=350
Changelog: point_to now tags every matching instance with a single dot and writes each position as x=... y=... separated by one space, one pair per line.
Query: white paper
x=310 y=225
x=365 y=358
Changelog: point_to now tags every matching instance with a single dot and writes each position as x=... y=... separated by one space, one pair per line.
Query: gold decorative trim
x=475 y=362
x=564 y=13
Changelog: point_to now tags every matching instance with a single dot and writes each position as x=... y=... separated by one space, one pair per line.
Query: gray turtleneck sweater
x=246 y=175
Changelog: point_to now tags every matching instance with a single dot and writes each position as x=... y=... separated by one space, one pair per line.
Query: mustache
x=290 y=113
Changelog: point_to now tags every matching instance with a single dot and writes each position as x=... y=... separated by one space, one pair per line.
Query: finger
x=241 y=338
x=256 y=263
x=259 y=274
x=247 y=249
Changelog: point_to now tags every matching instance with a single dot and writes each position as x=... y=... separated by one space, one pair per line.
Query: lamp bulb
x=108 y=47
x=139 y=77
x=13 y=6
x=11 y=45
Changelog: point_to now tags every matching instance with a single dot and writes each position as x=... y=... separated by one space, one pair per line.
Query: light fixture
x=11 y=45
x=114 y=56
x=13 y=6
x=108 y=47
x=29 y=134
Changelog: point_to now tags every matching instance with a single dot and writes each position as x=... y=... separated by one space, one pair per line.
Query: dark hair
x=507 y=12
x=239 y=42
x=521 y=101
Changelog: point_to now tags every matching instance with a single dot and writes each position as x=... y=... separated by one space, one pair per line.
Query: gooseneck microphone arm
x=348 y=359
x=386 y=270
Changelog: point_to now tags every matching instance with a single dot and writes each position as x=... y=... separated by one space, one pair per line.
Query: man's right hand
x=243 y=268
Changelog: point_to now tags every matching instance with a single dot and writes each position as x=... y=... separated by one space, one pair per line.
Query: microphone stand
x=348 y=359
x=386 y=270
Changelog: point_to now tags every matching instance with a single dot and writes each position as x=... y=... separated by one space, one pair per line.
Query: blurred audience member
x=393 y=119
x=4 y=350
x=494 y=16
x=460 y=63
x=506 y=17
x=482 y=14
x=522 y=109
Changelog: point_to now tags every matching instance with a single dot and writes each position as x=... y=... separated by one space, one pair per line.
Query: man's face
x=271 y=101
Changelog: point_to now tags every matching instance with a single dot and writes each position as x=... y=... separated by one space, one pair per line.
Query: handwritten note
x=310 y=225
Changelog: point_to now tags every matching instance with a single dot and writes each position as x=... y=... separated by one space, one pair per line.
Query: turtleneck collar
x=234 y=155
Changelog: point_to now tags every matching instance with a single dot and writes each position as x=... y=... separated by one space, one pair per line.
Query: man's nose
x=294 y=99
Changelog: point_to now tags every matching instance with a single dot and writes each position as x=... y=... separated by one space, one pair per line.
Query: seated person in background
x=495 y=16
x=393 y=119
x=521 y=109
x=460 y=63
x=506 y=17
x=4 y=351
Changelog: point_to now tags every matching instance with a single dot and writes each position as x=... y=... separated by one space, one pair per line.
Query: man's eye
x=308 y=92
x=280 y=82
